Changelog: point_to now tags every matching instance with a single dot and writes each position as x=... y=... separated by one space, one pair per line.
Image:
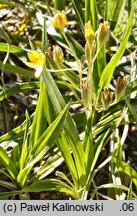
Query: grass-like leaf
x=16 y=69
x=80 y=16
x=39 y=121
x=107 y=73
x=59 y=104
x=116 y=13
x=126 y=168
x=23 y=87
x=8 y=163
x=52 y=185
x=44 y=143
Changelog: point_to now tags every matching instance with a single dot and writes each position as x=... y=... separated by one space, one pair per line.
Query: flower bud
x=103 y=33
x=84 y=91
x=106 y=98
x=49 y=53
x=120 y=88
x=89 y=33
x=58 y=55
x=89 y=52
x=60 y=20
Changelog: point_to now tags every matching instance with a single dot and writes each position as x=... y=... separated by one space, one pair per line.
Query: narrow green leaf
x=130 y=192
x=109 y=9
x=51 y=185
x=13 y=49
x=11 y=4
x=107 y=73
x=94 y=15
x=126 y=168
x=51 y=164
x=58 y=104
x=69 y=127
x=6 y=195
x=79 y=50
x=44 y=143
x=7 y=184
x=44 y=36
x=87 y=11
x=49 y=136
x=64 y=148
x=117 y=156
x=24 y=150
x=110 y=185
x=15 y=133
x=62 y=176
x=97 y=149
x=23 y=87
x=80 y=16
x=39 y=123
x=7 y=162
x=15 y=156
x=116 y=13
x=59 y=5
x=23 y=176
x=78 y=153
x=16 y=69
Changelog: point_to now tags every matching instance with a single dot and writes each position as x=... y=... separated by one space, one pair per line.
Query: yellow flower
x=89 y=33
x=37 y=61
x=103 y=33
x=60 y=20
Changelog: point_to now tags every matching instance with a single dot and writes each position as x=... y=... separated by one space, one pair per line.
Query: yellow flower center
x=36 y=58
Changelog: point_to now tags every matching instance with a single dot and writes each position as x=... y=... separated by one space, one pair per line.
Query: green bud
x=106 y=98
x=58 y=55
x=84 y=91
x=120 y=88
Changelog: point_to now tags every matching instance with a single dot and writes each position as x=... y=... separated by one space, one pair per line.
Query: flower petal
x=30 y=64
x=32 y=56
x=38 y=71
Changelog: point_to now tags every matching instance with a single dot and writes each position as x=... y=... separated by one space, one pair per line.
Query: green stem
x=73 y=52
x=69 y=85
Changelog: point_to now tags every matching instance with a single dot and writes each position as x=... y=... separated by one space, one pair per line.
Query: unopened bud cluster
x=84 y=91
x=120 y=88
x=56 y=56
x=94 y=42
x=106 y=98
x=107 y=95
